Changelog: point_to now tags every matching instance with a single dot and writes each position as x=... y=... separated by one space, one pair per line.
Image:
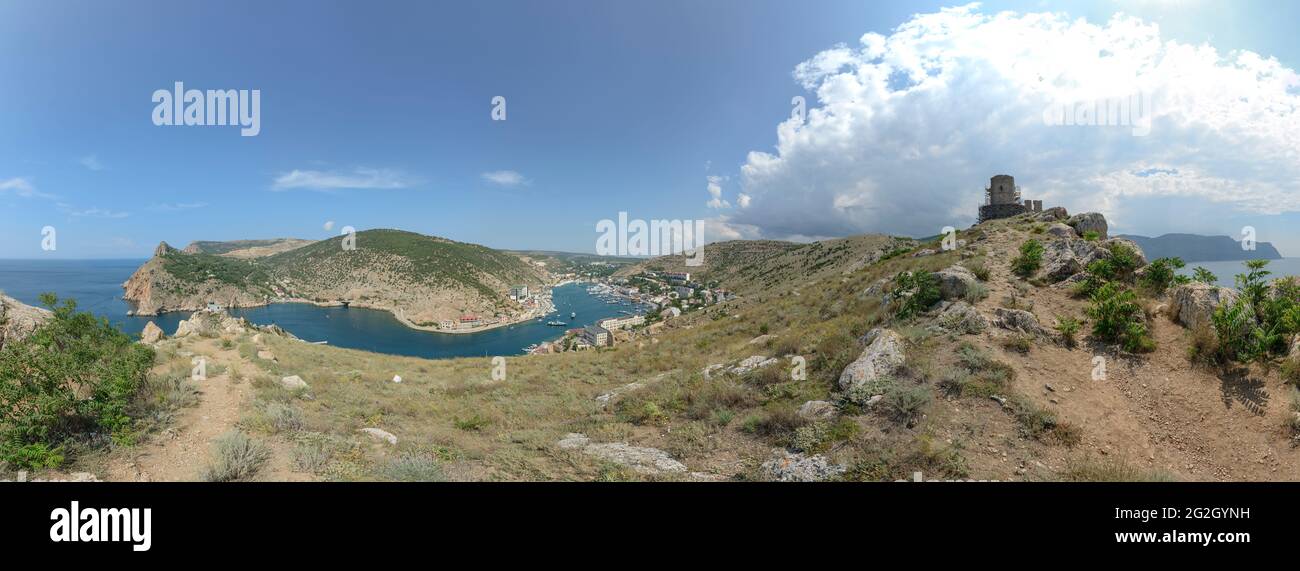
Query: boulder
x=881 y=358
x=573 y=440
x=1018 y=320
x=1062 y=231
x=960 y=317
x=1193 y=304
x=752 y=363
x=761 y=339
x=1137 y=250
x=1089 y=222
x=265 y=355
x=1060 y=261
x=954 y=281
x=785 y=466
x=380 y=435
x=18 y=320
x=151 y=334
x=1053 y=213
x=640 y=459
x=293 y=383
x=817 y=409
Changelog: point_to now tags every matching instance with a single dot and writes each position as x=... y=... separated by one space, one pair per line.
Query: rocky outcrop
x=960 y=317
x=1194 y=303
x=817 y=410
x=955 y=281
x=1054 y=213
x=151 y=334
x=18 y=320
x=1137 y=250
x=881 y=358
x=1062 y=231
x=643 y=460
x=1018 y=320
x=751 y=363
x=786 y=466
x=1089 y=222
x=1060 y=261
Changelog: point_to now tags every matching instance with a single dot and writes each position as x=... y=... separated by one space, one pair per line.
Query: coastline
x=528 y=316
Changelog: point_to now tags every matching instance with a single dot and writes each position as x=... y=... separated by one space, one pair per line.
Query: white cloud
x=170 y=207
x=506 y=178
x=715 y=193
x=97 y=213
x=908 y=128
x=22 y=186
x=359 y=178
x=92 y=162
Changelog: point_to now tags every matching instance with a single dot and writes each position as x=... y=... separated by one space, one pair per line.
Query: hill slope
x=245 y=248
x=422 y=279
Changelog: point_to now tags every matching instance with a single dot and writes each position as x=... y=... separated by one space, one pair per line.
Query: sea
x=1227 y=271
x=96 y=285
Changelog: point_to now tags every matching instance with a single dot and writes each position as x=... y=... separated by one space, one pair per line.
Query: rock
x=817 y=409
x=752 y=363
x=785 y=466
x=265 y=355
x=380 y=435
x=612 y=396
x=1137 y=250
x=1193 y=304
x=708 y=371
x=1088 y=252
x=1053 y=213
x=257 y=338
x=1061 y=231
x=1089 y=222
x=1060 y=261
x=761 y=339
x=960 y=317
x=925 y=252
x=1069 y=283
x=640 y=459
x=954 y=281
x=293 y=383
x=397 y=379
x=882 y=357
x=151 y=334
x=1018 y=320
x=573 y=440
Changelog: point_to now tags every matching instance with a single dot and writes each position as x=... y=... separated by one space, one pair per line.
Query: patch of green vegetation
x=915 y=291
x=1029 y=260
x=1117 y=318
x=74 y=378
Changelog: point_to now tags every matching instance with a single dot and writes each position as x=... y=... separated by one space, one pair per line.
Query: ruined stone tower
x=1002 y=199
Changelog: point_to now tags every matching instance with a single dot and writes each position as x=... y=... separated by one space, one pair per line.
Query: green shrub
x=1200 y=274
x=1162 y=274
x=1068 y=327
x=74 y=377
x=1117 y=318
x=980 y=269
x=976 y=292
x=916 y=292
x=1029 y=260
x=413 y=468
x=905 y=401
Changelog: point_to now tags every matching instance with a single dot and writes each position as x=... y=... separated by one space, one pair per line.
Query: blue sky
x=612 y=106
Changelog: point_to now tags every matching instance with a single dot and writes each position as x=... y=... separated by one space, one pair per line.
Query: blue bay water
x=1226 y=271
x=97 y=287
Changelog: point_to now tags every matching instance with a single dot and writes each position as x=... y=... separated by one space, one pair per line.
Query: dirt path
x=180 y=452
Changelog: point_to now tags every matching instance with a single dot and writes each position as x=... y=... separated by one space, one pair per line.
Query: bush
x=1029 y=260
x=1021 y=343
x=976 y=293
x=905 y=401
x=1162 y=274
x=1204 y=276
x=1067 y=327
x=1117 y=318
x=916 y=291
x=413 y=468
x=235 y=457
x=73 y=378
x=980 y=269
x=1122 y=262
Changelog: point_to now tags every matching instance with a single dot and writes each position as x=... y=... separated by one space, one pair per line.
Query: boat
x=573 y=314
x=556 y=323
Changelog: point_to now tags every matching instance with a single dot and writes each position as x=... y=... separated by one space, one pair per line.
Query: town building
x=597 y=336
x=615 y=323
